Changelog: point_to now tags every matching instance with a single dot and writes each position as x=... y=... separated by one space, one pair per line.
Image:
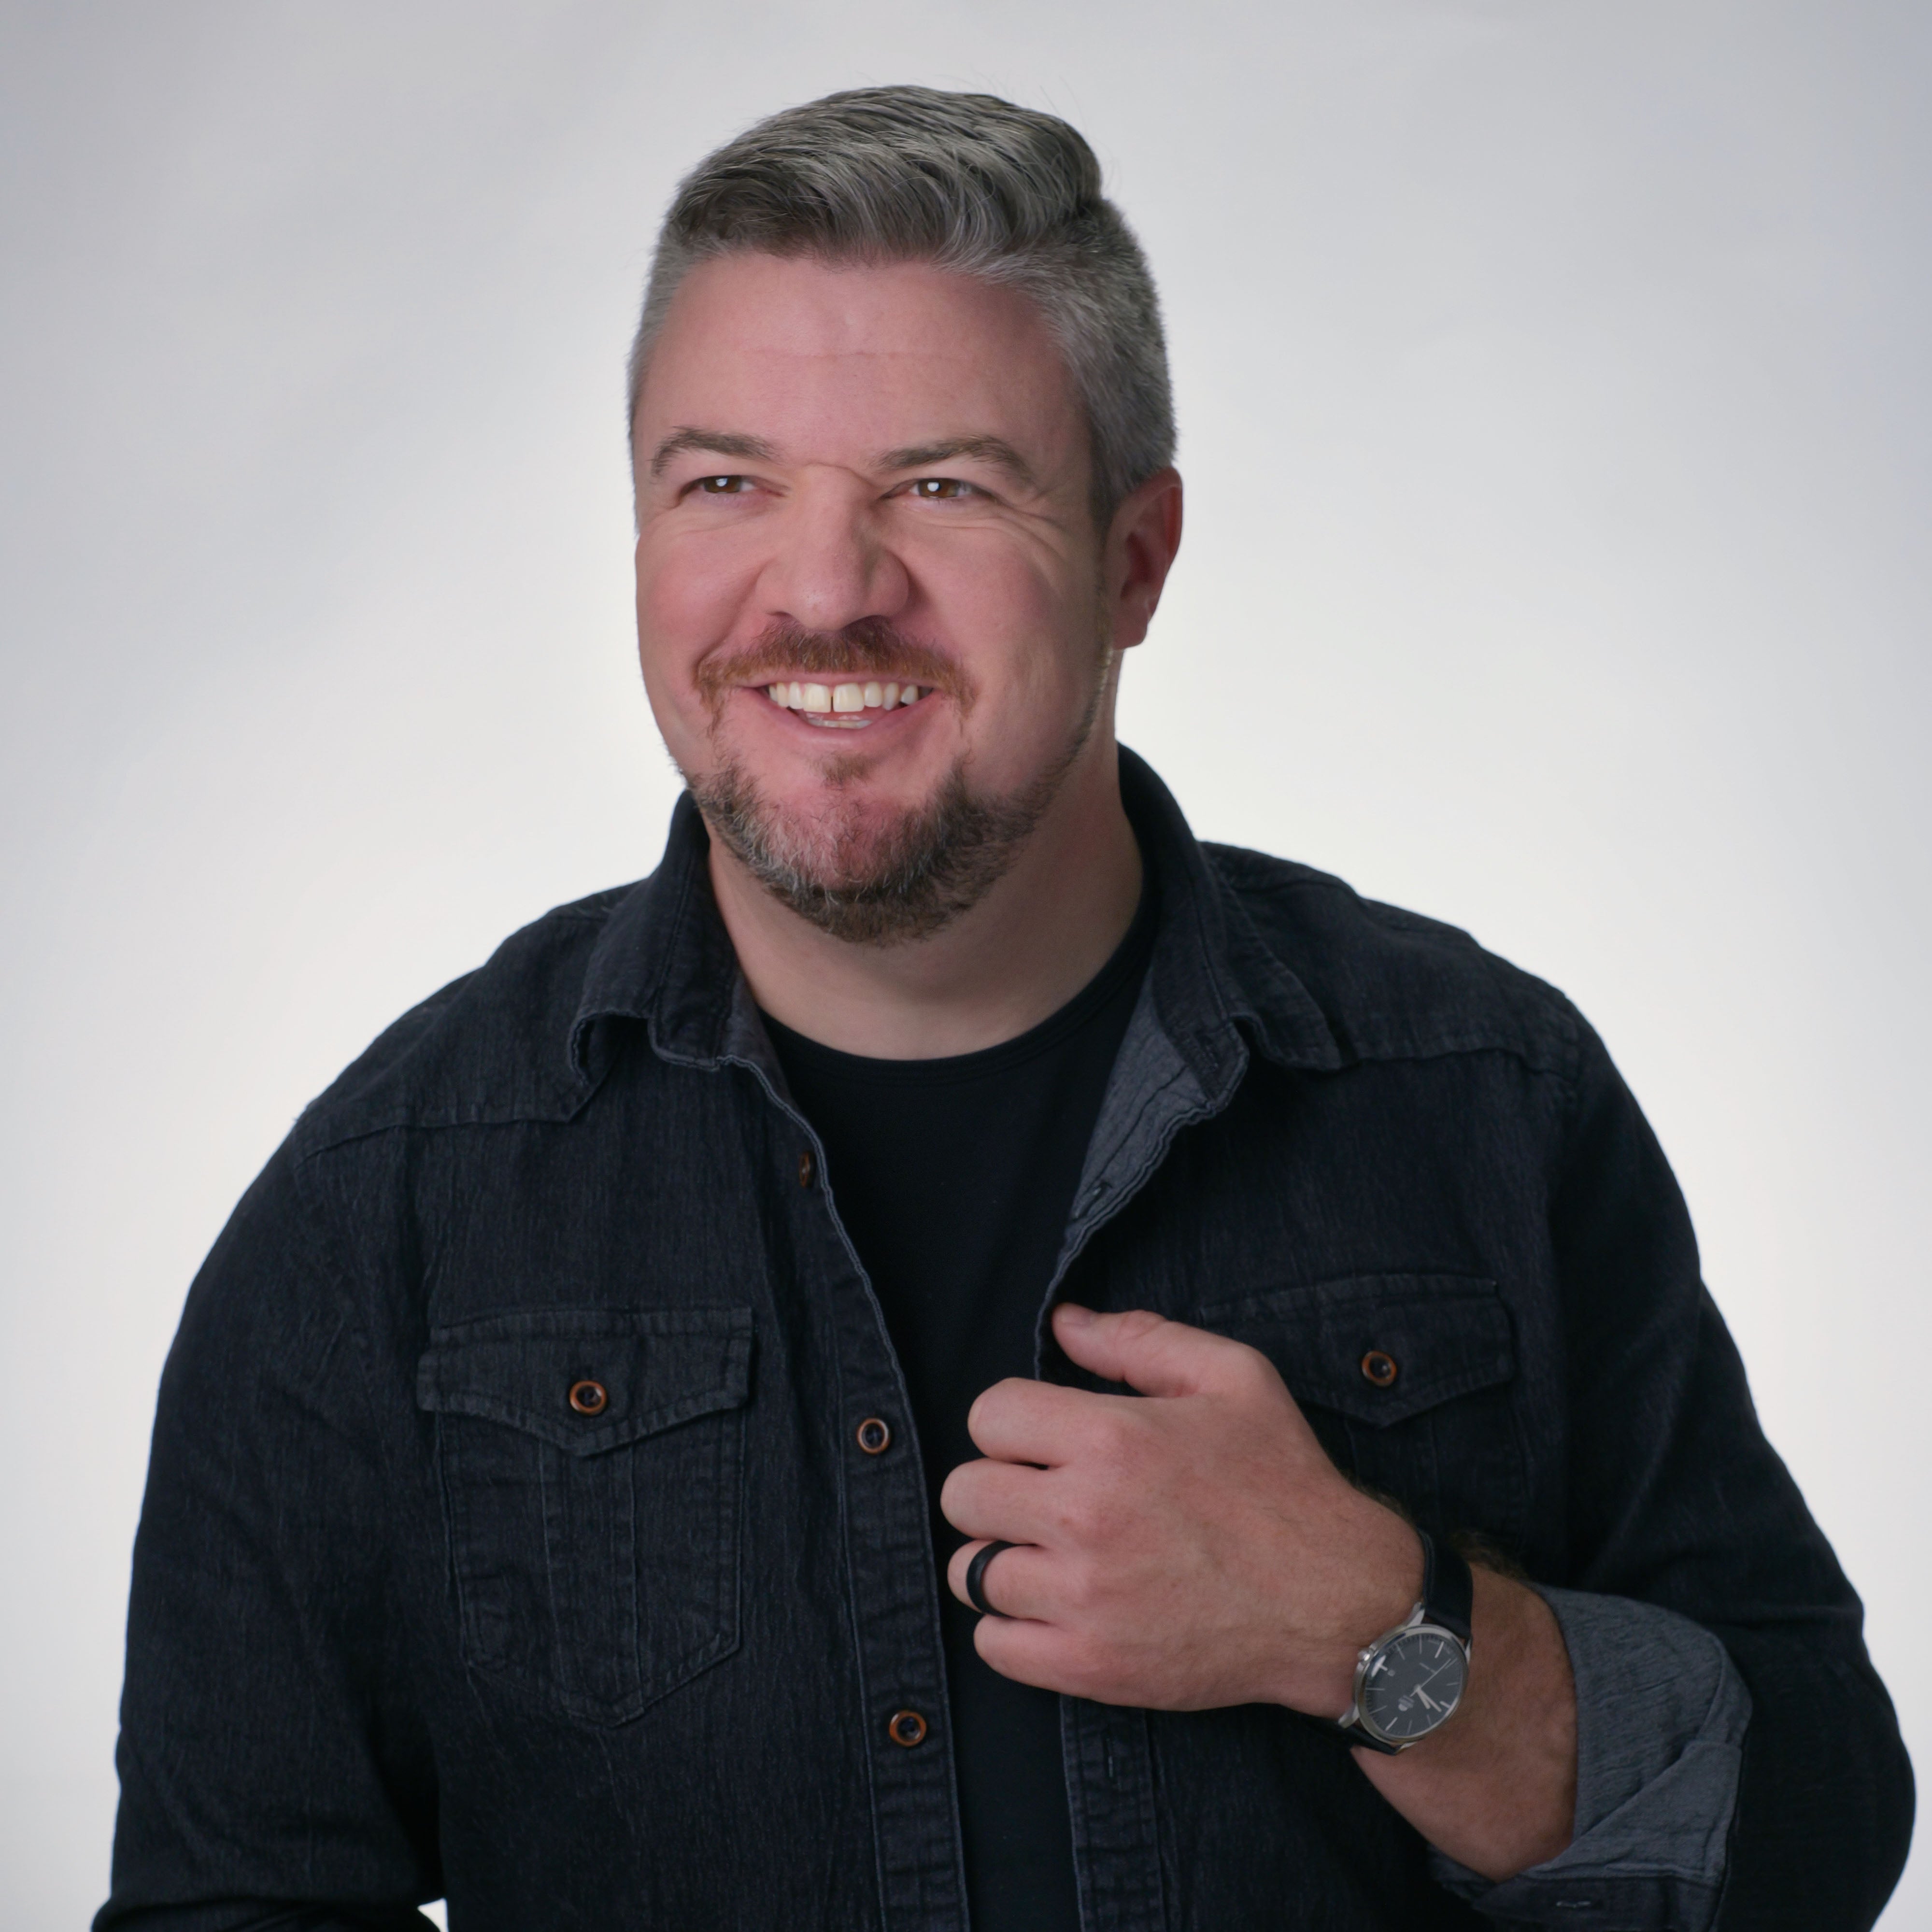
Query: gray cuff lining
x=1660 y=1719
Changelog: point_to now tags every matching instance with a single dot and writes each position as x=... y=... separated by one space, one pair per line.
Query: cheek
x=685 y=598
x=688 y=601
x=1033 y=638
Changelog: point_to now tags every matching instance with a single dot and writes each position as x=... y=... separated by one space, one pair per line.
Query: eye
x=942 y=489
x=724 y=486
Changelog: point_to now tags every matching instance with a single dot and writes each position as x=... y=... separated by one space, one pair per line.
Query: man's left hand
x=1193 y=1546
x=1188 y=1547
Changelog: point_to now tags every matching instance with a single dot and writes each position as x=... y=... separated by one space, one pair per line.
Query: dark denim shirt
x=508 y=1533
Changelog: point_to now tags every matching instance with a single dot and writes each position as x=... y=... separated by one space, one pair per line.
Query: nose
x=832 y=566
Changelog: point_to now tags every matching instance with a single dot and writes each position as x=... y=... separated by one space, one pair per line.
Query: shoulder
x=1392 y=984
x=491 y=1046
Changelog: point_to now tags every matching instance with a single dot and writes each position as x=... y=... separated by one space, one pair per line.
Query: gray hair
x=967 y=182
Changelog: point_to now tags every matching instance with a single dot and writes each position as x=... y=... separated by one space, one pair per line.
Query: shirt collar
x=664 y=961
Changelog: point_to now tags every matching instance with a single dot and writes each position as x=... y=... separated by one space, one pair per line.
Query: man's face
x=855 y=484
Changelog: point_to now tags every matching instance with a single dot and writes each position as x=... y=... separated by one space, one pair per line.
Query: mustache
x=872 y=648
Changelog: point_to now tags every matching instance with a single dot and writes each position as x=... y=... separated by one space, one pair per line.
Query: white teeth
x=845 y=697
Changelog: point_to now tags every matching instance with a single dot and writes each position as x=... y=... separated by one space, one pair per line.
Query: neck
x=1042 y=931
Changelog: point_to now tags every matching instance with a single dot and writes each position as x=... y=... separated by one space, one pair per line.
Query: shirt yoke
x=1392 y=984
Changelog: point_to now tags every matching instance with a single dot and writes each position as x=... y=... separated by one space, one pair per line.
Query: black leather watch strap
x=1360 y=1738
x=1448 y=1590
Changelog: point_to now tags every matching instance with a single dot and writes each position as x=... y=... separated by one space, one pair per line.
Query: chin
x=873 y=871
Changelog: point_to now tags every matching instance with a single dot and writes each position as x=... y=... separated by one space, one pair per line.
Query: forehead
x=805 y=352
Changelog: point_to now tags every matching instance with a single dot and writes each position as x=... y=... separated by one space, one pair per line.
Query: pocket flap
x=634 y=1373
x=1379 y=1348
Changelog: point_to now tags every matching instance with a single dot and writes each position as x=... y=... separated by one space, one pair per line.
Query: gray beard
x=904 y=882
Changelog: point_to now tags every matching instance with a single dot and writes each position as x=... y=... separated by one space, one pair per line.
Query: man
x=954 y=1353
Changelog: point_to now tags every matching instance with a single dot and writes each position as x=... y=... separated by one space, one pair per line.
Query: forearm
x=1660 y=1715
x=1495 y=1788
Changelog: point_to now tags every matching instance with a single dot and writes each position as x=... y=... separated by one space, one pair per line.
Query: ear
x=1141 y=542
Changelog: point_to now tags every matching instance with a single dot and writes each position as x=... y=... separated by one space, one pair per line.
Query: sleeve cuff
x=1660 y=1718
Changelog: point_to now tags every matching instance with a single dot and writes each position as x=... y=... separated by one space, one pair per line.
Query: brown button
x=805 y=1168
x=590 y=1398
x=875 y=1436
x=1379 y=1368
x=907 y=1728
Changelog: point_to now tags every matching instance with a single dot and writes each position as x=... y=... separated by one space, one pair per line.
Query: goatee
x=871 y=883
x=884 y=886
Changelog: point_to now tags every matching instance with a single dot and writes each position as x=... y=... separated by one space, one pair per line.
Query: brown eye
x=938 y=489
x=721 y=486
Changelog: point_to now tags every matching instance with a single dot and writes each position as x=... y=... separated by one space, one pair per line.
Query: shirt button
x=806 y=1169
x=1379 y=1368
x=589 y=1398
x=907 y=1728
x=875 y=1435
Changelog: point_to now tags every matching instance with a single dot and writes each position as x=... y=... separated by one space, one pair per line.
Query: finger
x=1052 y=1656
x=1157 y=1356
x=1010 y=1646
x=1006 y=1500
x=1041 y=1422
x=1016 y=1583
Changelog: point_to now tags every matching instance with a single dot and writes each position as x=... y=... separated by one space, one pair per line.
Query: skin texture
x=899 y=449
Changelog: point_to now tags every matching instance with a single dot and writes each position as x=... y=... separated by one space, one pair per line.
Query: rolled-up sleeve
x=1739 y=1764
x=1661 y=1715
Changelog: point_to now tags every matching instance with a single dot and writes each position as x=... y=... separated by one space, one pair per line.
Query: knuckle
x=1087 y=1518
x=1085 y=1588
x=1120 y=1436
x=1252 y=1371
x=1089 y=1669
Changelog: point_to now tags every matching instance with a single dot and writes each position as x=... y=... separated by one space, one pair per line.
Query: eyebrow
x=716 y=442
x=993 y=449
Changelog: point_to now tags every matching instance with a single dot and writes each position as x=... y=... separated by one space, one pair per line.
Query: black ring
x=975 y=1579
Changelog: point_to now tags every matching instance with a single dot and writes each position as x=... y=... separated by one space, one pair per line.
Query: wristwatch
x=1409 y=1681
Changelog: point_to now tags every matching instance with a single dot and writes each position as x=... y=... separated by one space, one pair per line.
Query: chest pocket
x=1406 y=1378
x=592 y=1462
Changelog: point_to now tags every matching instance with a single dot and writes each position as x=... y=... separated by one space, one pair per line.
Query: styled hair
x=966 y=182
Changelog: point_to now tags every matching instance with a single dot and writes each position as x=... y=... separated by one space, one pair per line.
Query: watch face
x=1413 y=1683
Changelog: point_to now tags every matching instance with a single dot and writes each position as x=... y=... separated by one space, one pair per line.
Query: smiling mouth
x=849 y=706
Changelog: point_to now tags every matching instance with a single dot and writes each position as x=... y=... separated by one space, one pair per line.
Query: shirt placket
x=1108 y=1749
x=889 y=1566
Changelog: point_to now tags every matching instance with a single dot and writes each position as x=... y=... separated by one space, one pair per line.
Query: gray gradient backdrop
x=1554 y=396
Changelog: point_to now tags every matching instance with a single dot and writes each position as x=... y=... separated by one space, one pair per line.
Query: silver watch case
x=1400 y=1682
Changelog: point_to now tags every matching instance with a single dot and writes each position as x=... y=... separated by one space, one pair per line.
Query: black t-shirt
x=954 y=1179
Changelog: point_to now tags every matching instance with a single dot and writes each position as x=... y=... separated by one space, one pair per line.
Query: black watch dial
x=1416 y=1678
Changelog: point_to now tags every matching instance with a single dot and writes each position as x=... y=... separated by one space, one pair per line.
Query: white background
x=1552 y=377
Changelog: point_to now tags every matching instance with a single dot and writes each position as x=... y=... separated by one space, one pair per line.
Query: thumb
x=1147 y=1351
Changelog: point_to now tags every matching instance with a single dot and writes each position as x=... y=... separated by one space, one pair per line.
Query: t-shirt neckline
x=1128 y=960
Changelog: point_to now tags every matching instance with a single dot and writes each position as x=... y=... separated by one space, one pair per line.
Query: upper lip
x=762 y=680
